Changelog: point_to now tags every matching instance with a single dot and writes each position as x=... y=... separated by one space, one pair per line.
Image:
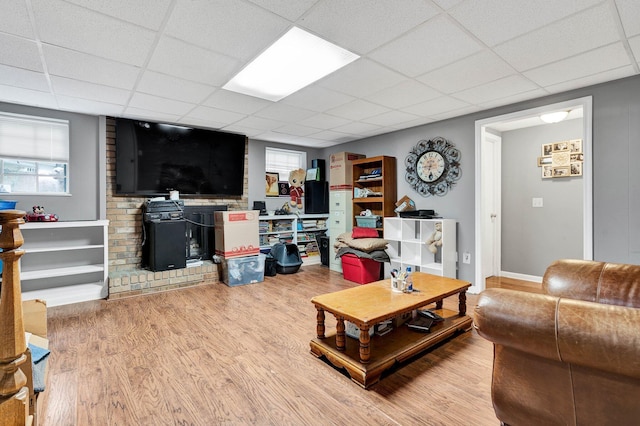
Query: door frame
x=495 y=186
x=587 y=175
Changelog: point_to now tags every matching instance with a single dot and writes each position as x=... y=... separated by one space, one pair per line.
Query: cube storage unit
x=407 y=245
x=243 y=270
x=287 y=256
x=360 y=270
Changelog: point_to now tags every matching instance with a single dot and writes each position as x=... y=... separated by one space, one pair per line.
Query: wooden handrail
x=14 y=395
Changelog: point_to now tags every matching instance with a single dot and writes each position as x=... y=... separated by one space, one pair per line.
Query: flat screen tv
x=155 y=158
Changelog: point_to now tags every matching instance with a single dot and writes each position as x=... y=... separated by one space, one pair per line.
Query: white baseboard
x=523 y=277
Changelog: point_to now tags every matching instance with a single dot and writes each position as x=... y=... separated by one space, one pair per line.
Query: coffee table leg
x=462 y=304
x=439 y=304
x=340 y=335
x=365 y=348
x=320 y=323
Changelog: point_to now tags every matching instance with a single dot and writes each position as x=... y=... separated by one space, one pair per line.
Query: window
x=282 y=161
x=34 y=154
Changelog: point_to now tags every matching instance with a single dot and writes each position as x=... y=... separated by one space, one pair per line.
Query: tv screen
x=155 y=158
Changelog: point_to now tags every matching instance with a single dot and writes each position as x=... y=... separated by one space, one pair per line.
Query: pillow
x=359 y=232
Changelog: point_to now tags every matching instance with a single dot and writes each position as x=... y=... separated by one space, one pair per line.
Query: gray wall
x=616 y=176
x=532 y=238
x=84 y=202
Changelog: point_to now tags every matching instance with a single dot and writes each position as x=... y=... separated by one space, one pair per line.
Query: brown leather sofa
x=570 y=356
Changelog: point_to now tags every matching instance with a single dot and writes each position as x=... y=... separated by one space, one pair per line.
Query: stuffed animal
x=435 y=240
x=296 y=187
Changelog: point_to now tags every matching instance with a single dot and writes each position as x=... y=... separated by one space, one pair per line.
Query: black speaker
x=324 y=243
x=167 y=244
x=319 y=164
x=316 y=197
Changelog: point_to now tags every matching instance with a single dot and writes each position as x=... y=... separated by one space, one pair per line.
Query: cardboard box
x=243 y=270
x=405 y=204
x=340 y=172
x=236 y=233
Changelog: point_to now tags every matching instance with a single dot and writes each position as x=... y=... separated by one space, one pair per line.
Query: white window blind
x=282 y=161
x=34 y=138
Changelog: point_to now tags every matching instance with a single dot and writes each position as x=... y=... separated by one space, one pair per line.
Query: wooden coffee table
x=366 y=305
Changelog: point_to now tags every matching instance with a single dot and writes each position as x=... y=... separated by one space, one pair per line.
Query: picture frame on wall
x=283 y=189
x=547 y=149
x=272 y=184
x=576 y=169
x=575 y=145
x=544 y=160
x=547 y=171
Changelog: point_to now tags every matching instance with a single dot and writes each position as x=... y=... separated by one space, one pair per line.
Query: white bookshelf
x=64 y=262
x=406 y=245
x=292 y=233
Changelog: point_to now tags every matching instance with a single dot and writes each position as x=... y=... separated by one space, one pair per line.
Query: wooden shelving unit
x=383 y=188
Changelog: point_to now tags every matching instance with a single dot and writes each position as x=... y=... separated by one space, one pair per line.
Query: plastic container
x=369 y=221
x=7 y=204
x=360 y=270
x=287 y=256
x=243 y=270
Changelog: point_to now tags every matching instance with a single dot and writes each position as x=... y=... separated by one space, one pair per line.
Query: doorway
x=488 y=178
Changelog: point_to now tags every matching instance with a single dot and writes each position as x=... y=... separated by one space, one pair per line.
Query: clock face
x=430 y=166
x=433 y=166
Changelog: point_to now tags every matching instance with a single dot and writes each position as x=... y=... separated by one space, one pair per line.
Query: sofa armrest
x=595 y=335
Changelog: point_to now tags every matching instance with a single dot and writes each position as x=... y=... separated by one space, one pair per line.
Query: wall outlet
x=466 y=257
x=536 y=202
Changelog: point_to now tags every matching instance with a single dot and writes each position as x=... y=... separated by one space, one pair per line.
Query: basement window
x=283 y=161
x=34 y=155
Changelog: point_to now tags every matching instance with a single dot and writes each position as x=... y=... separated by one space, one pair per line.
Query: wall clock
x=433 y=166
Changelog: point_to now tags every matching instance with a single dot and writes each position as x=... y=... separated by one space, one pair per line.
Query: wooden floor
x=218 y=355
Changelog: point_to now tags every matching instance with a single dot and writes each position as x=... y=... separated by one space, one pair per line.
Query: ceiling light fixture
x=294 y=61
x=554 y=117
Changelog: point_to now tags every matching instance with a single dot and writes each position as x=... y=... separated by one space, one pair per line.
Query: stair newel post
x=14 y=395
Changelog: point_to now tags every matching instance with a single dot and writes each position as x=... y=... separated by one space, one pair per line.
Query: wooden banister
x=14 y=395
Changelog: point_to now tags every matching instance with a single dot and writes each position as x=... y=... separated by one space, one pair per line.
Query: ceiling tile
x=14 y=18
x=602 y=77
x=407 y=93
x=435 y=106
x=634 y=43
x=237 y=102
x=429 y=46
x=317 y=98
x=155 y=116
x=455 y=113
x=512 y=99
x=156 y=103
x=193 y=63
x=576 y=34
x=356 y=127
x=412 y=123
x=20 y=53
x=296 y=130
x=330 y=135
x=66 y=25
x=18 y=95
x=234 y=28
x=361 y=78
x=358 y=110
x=167 y=86
x=496 y=21
x=589 y=63
x=472 y=71
x=88 y=106
x=447 y=4
x=80 y=66
x=11 y=76
x=291 y=10
x=259 y=123
x=215 y=115
x=324 y=121
x=284 y=113
x=242 y=130
x=83 y=90
x=146 y=13
x=363 y=25
x=496 y=89
x=629 y=11
x=390 y=118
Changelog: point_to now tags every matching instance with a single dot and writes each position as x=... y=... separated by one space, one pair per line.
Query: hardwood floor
x=218 y=355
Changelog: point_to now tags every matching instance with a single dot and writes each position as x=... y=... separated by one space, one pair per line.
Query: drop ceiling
x=421 y=60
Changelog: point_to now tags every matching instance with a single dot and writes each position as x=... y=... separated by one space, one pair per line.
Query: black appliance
x=323 y=243
x=320 y=165
x=316 y=197
x=165 y=244
x=419 y=214
x=155 y=158
x=201 y=237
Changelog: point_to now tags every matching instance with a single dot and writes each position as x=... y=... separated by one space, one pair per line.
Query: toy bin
x=243 y=270
x=287 y=256
x=360 y=270
x=369 y=221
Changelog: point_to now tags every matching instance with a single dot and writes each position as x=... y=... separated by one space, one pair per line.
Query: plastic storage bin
x=243 y=270
x=360 y=270
x=369 y=221
x=287 y=256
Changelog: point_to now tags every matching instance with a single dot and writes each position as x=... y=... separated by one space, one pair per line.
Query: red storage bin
x=360 y=270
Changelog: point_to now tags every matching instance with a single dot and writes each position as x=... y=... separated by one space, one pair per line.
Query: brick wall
x=126 y=277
